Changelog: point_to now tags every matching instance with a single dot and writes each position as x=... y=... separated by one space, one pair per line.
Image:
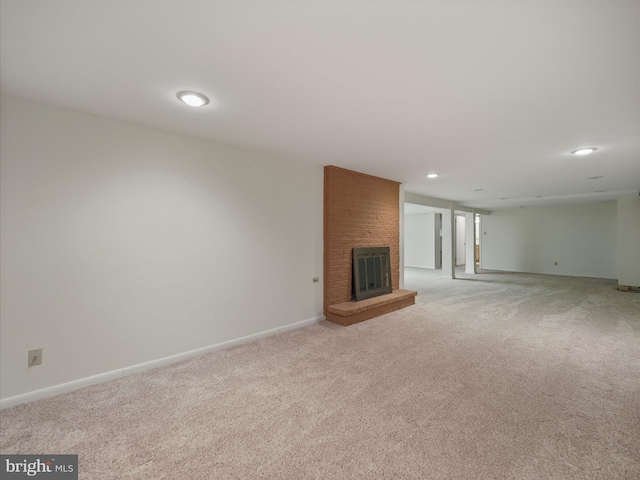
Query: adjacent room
x=370 y=239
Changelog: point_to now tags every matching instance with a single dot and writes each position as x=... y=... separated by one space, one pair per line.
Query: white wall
x=121 y=244
x=470 y=243
x=581 y=239
x=448 y=243
x=461 y=238
x=629 y=240
x=437 y=251
x=419 y=241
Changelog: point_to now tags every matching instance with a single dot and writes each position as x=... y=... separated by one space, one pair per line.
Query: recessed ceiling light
x=432 y=175
x=193 y=99
x=584 y=151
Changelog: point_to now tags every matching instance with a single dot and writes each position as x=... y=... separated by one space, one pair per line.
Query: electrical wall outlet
x=316 y=279
x=35 y=357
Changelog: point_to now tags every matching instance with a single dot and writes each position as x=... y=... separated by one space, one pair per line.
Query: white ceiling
x=415 y=209
x=491 y=95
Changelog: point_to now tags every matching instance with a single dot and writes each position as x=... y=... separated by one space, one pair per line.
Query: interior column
x=448 y=243
x=470 y=242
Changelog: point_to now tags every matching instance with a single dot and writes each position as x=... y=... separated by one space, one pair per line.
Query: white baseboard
x=141 y=367
x=557 y=274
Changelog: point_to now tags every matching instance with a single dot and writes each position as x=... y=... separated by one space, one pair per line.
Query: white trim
x=401 y=230
x=141 y=367
x=555 y=274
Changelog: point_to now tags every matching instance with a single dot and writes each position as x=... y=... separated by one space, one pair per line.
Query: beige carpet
x=503 y=376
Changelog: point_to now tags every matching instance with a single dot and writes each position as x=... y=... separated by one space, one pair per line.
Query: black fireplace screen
x=371 y=272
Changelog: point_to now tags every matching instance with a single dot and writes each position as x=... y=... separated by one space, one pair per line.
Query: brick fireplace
x=359 y=211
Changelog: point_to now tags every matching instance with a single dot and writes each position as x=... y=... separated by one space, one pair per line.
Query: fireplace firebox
x=371 y=272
